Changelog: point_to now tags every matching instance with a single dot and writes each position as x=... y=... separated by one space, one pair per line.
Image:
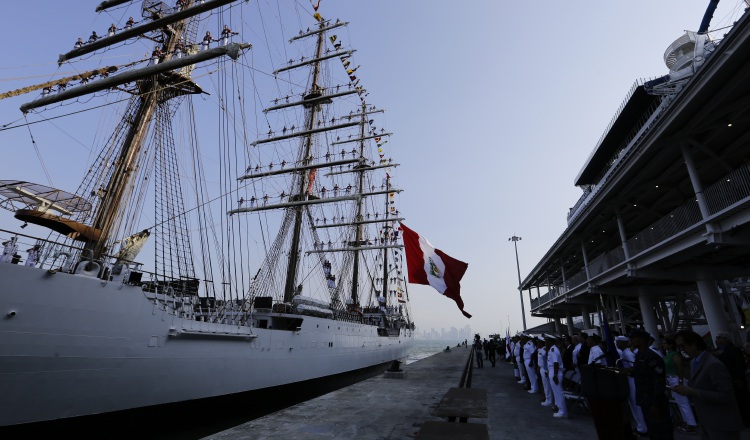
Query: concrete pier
x=385 y=409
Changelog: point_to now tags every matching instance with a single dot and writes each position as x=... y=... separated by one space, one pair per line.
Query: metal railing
x=630 y=143
x=728 y=190
x=722 y=194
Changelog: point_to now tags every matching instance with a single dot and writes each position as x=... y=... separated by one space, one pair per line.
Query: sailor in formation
x=33 y=255
x=542 y=363
x=207 y=39
x=517 y=354
x=626 y=362
x=179 y=48
x=555 y=372
x=596 y=355
x=511 y=355
x=225 y=34
x=528 y=352
x=9 y=250
x=155 y=56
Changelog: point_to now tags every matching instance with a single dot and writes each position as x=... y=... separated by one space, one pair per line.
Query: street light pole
x=515 y=241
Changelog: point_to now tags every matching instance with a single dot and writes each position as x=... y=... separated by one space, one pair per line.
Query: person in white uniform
x=9 y=249
x=555 y=372
x=511 y=355
x=517 y=354
x=33 y=255
x=626 y=362
x=542 y=362
x=529 y=348
x=596 y=355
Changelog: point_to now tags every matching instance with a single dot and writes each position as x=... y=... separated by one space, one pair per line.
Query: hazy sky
x=494 y=105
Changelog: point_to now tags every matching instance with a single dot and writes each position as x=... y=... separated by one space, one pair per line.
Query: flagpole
x=515 y=241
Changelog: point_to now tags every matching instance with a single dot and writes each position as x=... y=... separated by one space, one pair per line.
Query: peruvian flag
x=433 y=267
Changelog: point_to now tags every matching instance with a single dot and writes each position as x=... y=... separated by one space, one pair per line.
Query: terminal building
x=660 y=237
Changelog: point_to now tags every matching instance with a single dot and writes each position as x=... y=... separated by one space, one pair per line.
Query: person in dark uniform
x=583 y=353
x=478 y=351
x=731 y=356
x=649 y=374
x=567 y=356
x=492 y=349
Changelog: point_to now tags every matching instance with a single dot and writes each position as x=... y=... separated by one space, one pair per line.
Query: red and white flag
x=433 y=267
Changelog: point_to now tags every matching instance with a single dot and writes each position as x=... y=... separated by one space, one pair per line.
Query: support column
x=663 y=312
x=621 y=314
x=558 y=326
x=569 y=322
x=564 y=280
x=631 y=266
x=697 y=186
x=712 y=307
x=623 y=236
x=585 y=261
x=647 y=311
x=586 y=318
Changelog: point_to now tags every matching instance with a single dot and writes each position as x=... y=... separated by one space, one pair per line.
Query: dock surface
x=388 y=409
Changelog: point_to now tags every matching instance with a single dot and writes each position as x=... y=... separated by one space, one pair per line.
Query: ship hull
x=73 y=345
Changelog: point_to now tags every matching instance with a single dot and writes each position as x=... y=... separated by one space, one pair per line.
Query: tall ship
x=235 y=229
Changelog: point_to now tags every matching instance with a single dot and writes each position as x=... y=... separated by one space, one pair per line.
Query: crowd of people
x=669 y=378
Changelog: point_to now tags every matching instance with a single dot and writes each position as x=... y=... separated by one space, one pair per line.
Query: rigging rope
x=39 y=156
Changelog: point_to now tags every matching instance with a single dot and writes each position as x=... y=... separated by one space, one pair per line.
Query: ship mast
x=385 y=252
x=312 y=96
x=360 y=186
x=114 y=197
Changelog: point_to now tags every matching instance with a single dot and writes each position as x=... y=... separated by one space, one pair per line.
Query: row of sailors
x=10 y=249
x=180 y=47
x=283 y=163
x=328 y=156
x=64 y=86
x=253 y=200
x=323 y=192
x=367 y=242
x=651 y=374
x=551 y=357
x=112 y=30
x=550 y=364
